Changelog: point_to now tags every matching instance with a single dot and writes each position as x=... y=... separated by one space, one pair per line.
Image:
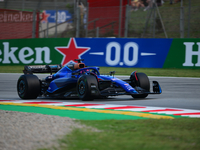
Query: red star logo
x=45 y=16
x=71 y=52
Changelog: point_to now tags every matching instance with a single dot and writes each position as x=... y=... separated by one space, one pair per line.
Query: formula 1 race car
x=77 y=80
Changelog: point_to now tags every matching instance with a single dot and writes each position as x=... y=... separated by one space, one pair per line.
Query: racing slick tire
x=87 y=87
x=28 y=87
x=143 y=82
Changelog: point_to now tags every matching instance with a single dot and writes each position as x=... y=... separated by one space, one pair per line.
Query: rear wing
x=41 y=69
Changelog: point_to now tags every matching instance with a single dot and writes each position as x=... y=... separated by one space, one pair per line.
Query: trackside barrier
x=108 y=52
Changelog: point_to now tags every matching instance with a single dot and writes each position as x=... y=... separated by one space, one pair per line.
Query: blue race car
x=77 y=80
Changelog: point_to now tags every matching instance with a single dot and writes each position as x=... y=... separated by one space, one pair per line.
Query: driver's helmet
x=82 y=72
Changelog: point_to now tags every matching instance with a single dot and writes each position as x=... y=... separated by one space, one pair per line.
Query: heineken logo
x=41 y=55
x=24 y=55
x=16 y=16
x=189 y=53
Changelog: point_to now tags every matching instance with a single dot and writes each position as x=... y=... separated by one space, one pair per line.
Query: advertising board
x=50 y=16
x=183 y=53
x=108 y=52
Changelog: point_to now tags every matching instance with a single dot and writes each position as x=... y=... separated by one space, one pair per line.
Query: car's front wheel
x=28 y=87
x=141 y=80
x=87 y=87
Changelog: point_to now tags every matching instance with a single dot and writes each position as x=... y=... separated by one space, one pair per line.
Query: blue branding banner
x=115 y=52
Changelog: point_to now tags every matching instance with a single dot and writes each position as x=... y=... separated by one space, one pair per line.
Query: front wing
x=113 y=91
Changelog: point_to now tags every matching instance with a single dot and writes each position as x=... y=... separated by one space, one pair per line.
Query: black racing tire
x=84 y=87
x=143 y=82
x=28 y=87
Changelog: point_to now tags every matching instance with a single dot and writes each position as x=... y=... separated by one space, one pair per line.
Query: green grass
x=150 y=134
x=11 y=69
x=126 y=71
x=154 y=71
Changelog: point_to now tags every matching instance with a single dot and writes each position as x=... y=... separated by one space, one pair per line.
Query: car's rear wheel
x=28 y=87
x=87 y=86
x=141 y=80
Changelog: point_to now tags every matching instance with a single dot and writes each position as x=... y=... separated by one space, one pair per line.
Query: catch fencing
x=16 y=24
x=121 y=19
x=165 y=20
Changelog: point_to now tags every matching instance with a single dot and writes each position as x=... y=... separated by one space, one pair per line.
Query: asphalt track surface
x=177 y=93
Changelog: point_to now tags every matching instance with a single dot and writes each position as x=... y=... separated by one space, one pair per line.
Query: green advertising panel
x=183 y=53
x=31 y=51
